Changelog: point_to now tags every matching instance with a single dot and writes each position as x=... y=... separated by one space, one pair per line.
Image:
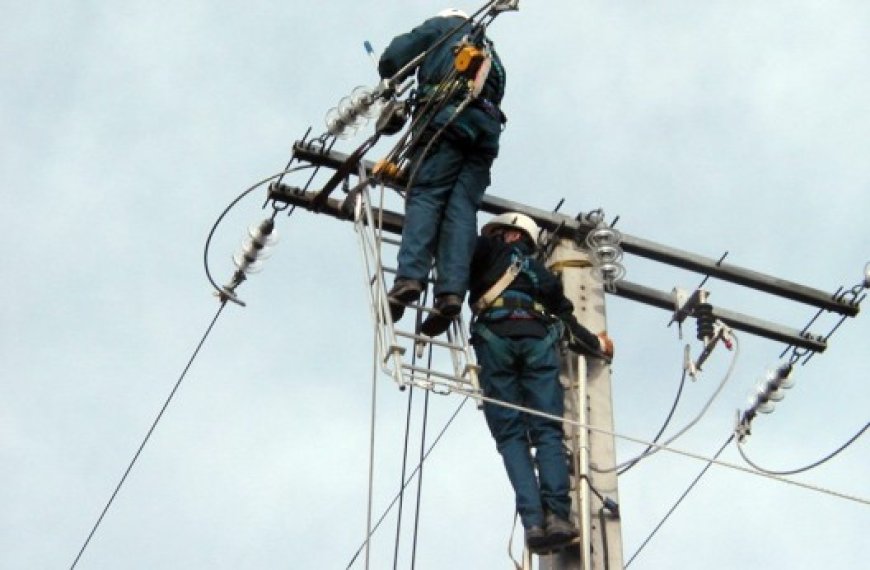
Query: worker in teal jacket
x=450 y=173
x=520 y=316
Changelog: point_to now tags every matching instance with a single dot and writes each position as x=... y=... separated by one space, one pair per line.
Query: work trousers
x=525 y=372
x=441 y=206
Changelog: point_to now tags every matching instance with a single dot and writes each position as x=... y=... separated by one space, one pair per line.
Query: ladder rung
x=435 y=373
x=391 y=241
x=430 y=340
x=395 y=345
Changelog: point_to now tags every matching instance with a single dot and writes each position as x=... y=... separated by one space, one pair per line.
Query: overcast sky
x=127 y=127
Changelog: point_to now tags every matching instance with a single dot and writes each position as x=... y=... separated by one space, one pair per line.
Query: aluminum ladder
x=450 y=366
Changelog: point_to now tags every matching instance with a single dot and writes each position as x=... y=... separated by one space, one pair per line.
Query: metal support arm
x=393 y=221
x=568 y=227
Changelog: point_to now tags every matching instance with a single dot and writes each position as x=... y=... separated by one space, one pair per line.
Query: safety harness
x=497 y=296
x=472 y=65
x=499 y=303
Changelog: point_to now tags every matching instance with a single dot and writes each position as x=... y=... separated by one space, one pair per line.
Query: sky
x=128 y=128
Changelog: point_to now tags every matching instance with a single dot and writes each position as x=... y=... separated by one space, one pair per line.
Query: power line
x=684 y=453
x=404 y=467
x=692 y=423
x=811 y=465
x=407 y=482
x=402 y=477
x=420 y=483
x=680 y=500
x=218 y=289
x=667 y=421
x=425 y=424
x=148 y=435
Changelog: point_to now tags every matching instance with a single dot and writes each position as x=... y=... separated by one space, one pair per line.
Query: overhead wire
x=402 y=477
x=679 y=500
x=664 y=424
x=664 y=447
x=147 y=436
x=218 y=288
x=404 y=462
x=420 y=479
x=813 y=465
x=196 y=351
x=688 y=426
x=407 y=482
x=425 y=423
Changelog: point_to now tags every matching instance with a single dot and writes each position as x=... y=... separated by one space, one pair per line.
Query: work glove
x=606 y=345
x=582 y=341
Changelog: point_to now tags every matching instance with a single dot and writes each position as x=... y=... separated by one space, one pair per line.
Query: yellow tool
x=387 y=169
x=468 y=59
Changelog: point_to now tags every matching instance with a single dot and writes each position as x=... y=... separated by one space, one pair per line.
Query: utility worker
x=451 y=172
x=520 y=314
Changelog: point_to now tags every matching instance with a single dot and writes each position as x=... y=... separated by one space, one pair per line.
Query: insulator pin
x=353 y=112
x=256 y=247
x=706 y=321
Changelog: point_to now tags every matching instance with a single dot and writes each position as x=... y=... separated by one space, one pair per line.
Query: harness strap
x=554 y=333
x=488 y=298
x=449 y=90
x=515 y=303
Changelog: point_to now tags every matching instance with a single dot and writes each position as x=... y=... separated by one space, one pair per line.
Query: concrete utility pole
x=588 y=402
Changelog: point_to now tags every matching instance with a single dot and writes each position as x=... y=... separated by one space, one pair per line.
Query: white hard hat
x=450 y=12
x=513 y=220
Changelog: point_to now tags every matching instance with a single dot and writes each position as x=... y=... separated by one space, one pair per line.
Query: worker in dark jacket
x=521 y=312
x=451 y=174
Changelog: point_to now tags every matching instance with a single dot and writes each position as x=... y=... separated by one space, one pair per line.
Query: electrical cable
x=595 y=491
x=405 y=462
x=811 y=465
x=680 y=500
x=692 y=423
x=407 y=482
x=148 y=435
x=665 y=447
x=402 y=477
x=602 y=525
x=218 y=288
x=664 y=425
x=420 y=478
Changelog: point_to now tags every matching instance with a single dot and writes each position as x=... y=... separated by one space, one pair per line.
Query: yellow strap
x=500 y=302
x=560 y=265
x=498 y=288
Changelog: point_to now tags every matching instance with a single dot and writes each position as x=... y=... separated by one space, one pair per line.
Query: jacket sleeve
x=406 y=47
x=552 y=294
x=554 y=299
x=480 y=263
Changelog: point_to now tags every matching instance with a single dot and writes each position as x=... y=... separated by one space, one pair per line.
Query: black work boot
x=404 y=291
x=559 y=531
x=536 y=538
x=445 y=309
